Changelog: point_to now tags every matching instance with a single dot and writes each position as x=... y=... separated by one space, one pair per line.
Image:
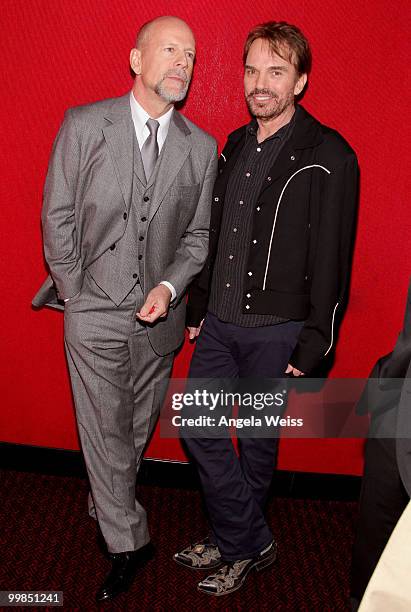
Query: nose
x=260 y=82
x=181 y=59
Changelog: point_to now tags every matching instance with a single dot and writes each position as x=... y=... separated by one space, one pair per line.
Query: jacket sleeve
x=192 y=252
x=58 y=215
x=332 y=261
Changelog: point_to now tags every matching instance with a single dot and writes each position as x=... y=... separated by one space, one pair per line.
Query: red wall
x=59 y=53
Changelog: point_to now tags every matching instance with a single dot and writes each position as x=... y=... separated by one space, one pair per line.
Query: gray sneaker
x=231 y=576
x=203 y=555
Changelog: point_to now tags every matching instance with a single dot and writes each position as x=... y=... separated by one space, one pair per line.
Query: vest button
x=125 y=216
x=143 y=218
x=141 y=238
x=146 y=198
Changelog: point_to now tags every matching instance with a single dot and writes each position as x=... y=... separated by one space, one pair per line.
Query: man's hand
x=291 y=370
x=194 y=331
x=156 y=305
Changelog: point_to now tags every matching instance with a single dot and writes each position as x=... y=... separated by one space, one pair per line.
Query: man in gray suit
x=125 y=223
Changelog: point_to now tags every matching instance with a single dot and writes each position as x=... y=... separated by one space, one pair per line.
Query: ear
x=135 y=61
x=300 y=84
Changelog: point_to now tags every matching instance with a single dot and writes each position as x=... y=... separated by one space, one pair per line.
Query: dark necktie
x=149 y=150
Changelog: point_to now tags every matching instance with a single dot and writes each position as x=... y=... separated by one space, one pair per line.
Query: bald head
x=151 y=27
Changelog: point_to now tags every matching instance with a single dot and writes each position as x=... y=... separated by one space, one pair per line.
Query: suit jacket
x=303 y=225
x=387 y=397
x=87 y=197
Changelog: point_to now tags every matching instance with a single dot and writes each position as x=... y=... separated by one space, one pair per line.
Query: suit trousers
x=115 y=376
x=235 y=486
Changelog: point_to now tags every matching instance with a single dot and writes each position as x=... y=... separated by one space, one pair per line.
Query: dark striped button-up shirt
x=244 y=186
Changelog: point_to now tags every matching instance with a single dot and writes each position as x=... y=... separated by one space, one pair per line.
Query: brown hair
x=285 y=40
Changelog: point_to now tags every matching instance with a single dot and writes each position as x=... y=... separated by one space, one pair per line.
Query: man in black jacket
x=267 y=301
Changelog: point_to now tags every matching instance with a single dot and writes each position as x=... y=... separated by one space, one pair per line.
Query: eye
x=190 y=54
x=249 y=71
x=169 y=49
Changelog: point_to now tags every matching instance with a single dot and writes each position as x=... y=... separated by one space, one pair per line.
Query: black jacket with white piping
x=303 y=230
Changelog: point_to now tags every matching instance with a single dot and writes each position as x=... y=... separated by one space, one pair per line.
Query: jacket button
x=140 y=257
x=135 y=275
x=143 y=218
x=113 y=246
x=212 y=229
x=292 y=157
x=141 y=238
x=146 y=198
x=216 y=199
x=125 y=216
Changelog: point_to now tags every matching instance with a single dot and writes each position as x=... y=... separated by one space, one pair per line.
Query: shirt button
x=259 y=149
x=268 y=178
x=247 y=174
x=258 y=209
x=292 y=157
x=234 y=229
x=230 y=256
x=141 y=238
x=249 y=273
x=247 y=306
x=241 y=202
x=216 y=199
x=125 y=216
x=228 y=285
x=146 y=198
x=254 y=241
x=248 y=295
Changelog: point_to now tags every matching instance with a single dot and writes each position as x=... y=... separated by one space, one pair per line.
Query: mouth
x=261 y=97
x=174 y=77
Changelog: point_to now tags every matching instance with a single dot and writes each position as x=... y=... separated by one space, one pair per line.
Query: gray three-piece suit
x=110 y=236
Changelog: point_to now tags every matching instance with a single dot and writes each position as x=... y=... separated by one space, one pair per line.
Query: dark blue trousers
x=236 y=486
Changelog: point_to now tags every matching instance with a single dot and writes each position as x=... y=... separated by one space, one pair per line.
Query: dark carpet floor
x=48 y=542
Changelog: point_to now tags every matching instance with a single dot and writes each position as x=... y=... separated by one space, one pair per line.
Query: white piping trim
x=223 y=156
x=332 y=330
x=276 y=213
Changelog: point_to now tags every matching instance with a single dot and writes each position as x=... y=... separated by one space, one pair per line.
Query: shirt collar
x=282 y=133
x=140 y=116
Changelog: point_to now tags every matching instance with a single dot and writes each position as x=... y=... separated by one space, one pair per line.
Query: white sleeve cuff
x=170 y=286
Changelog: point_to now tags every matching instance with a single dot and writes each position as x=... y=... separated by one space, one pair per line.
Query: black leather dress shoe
x=123 y=571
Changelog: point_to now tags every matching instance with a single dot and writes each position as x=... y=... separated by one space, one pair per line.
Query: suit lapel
x=119 y=136
x=173 y=155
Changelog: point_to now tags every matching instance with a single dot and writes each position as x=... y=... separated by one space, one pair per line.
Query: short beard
x=171 y=96
x=268 y=111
